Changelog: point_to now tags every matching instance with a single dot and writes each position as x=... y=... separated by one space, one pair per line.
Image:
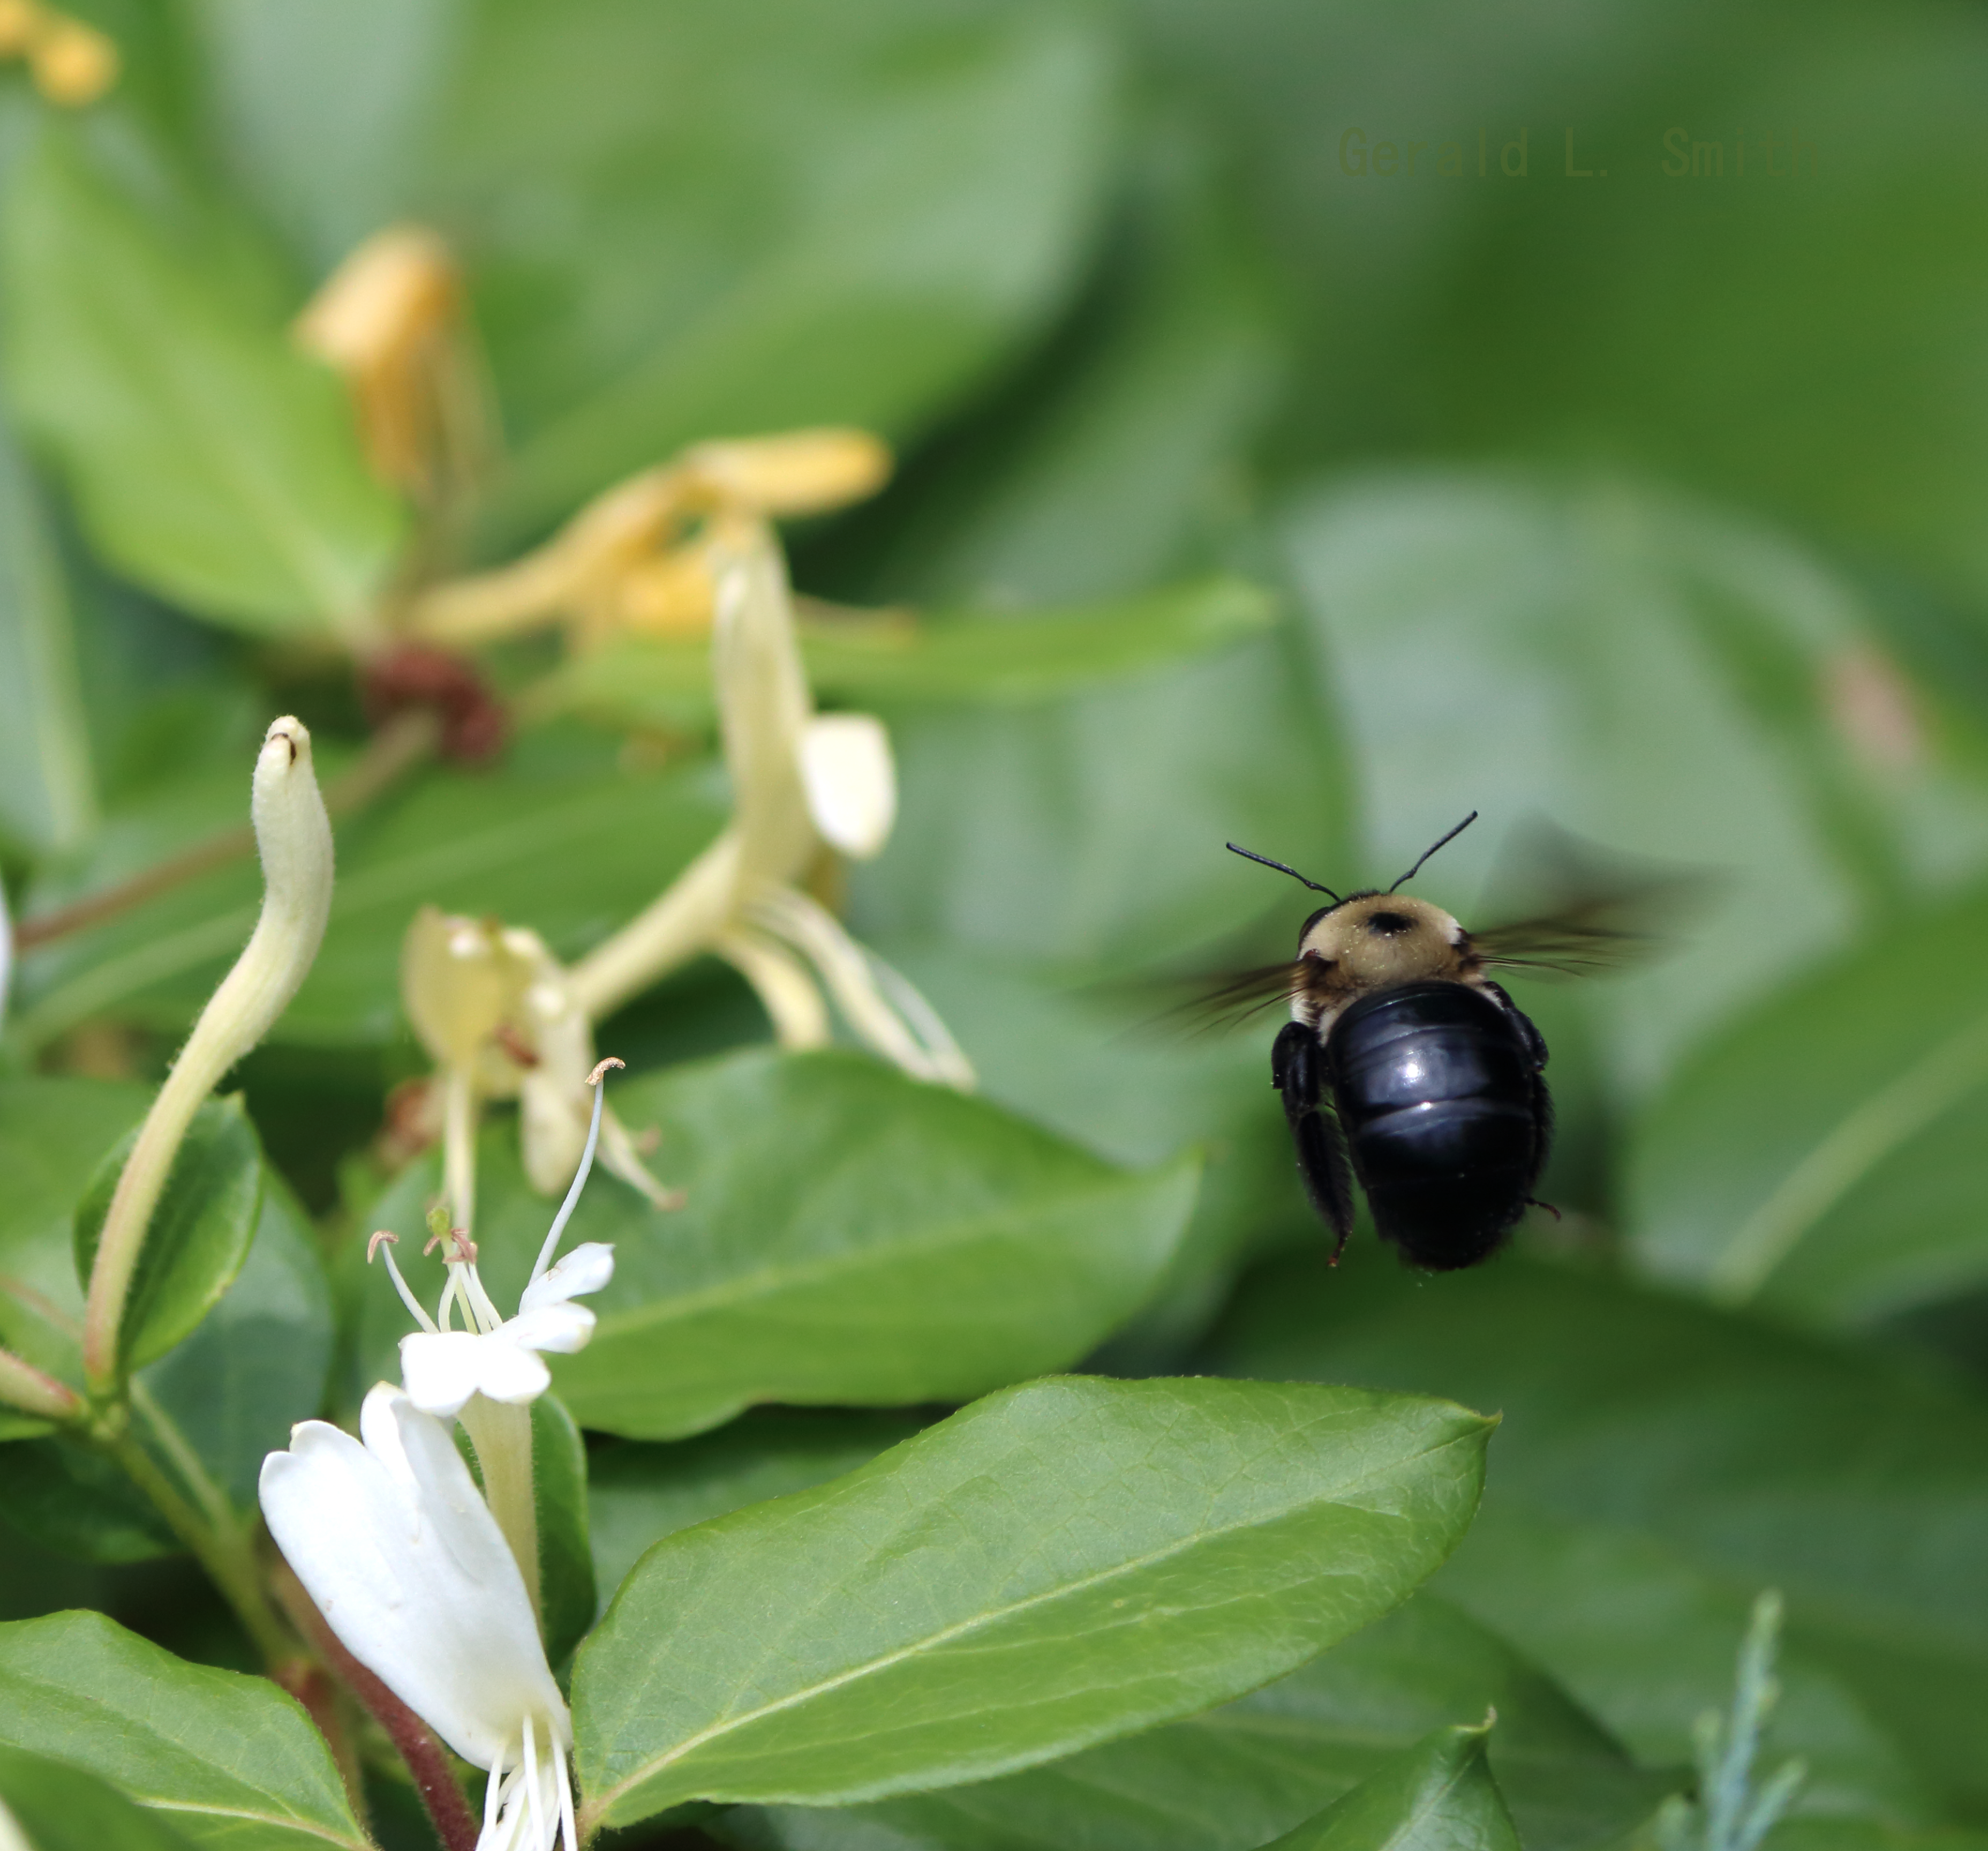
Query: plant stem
x=24 y=1387
x=223 y=1553
x=402 y=743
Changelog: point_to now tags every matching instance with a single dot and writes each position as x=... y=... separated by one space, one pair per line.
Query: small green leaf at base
x=1060 y=1564
x=200 y=1232
x=1437 y=1796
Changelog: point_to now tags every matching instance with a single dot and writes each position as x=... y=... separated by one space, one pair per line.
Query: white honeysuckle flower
x=408 y=1567
x=803 y=785
x=501 y=1358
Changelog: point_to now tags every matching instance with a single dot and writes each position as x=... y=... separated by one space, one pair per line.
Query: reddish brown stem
x=400 y=745
x=455 y=1825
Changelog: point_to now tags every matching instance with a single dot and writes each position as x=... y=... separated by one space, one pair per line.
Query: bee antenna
x=1250 y=855
x=1434 y=846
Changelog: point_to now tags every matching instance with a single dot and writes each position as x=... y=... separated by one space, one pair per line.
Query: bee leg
x=1296 y=1070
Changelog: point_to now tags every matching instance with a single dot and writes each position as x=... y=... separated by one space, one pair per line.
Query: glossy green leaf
x=60 y=1807
x=1058 y=1565
x=638 y=1493
x=1438 y=1795
x=850 y=1237
x=555 y=838
x=567 y=1601
x=1233 y=1778
x=747 y=223
x=1652 y=674
x=258 y=1362
x=1103 y=1061
x=1822 y=1153
x=199 y=1234
x=231 y=1762
x=1754 y=1456
x=47 y=786
x=209 y=459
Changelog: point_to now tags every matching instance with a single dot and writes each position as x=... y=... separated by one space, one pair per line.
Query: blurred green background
x=1598 y=391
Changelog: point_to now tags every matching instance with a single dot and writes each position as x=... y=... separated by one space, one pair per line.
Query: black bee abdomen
x=1446 y=1117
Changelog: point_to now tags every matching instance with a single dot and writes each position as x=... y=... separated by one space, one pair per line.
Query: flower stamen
x=551 y=1247
x=400 y=1285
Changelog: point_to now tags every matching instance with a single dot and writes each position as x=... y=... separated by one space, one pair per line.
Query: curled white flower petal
x=562 y=1329
x=851 y=781
x=587 y=1269
x=405 y=1560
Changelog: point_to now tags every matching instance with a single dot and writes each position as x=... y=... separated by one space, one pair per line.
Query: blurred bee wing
x=1592 y=908
x=1580 y=941
x=1233 y=999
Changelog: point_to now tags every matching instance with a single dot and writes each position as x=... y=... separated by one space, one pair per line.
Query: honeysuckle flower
x=803 y=784
x=501 y=1358
x=410 y=1571
x=496 y=1012
x=488 y=1374
x=72 y=62
x=644 y=556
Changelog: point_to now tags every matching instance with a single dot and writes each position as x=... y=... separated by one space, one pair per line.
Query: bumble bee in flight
x=1402 y=1053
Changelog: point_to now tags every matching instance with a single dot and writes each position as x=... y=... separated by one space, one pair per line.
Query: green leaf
x=231 y=1761
x=956 y=657
x=637 y=1494
x=199 y=1234
x=48 y=786
x=843 y=219
x=556 y=837
x=1437 y=1796
x=1644 y=1635
x=567 y=1600
x=1822 y=1153
x=61 y=1807
x=1059 y=1564
x=1233 y=1779
x=1651 y=673
x=850 y=1237
x=54 y=1134
x=1036 y=654
x=258 y=1362
x=1753 y=1456
x=209 y=458
x=321 y=106
x=74 y=1502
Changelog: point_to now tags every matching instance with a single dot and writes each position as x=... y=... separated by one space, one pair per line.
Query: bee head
x=1374 y=940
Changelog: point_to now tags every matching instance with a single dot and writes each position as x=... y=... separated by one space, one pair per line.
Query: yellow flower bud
x=20 y=20
x=73 y=64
